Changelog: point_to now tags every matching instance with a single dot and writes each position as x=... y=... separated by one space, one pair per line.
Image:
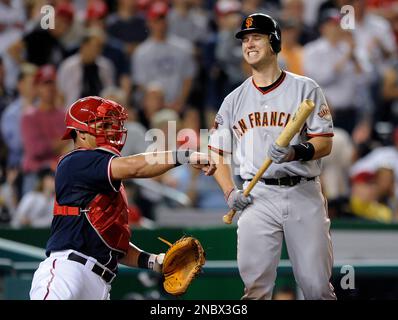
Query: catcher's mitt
x=181 y=264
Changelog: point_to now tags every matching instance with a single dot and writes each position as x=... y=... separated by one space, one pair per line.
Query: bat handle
x=229 y=216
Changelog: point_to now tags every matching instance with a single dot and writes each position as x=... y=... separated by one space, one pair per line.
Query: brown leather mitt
x=182 y=263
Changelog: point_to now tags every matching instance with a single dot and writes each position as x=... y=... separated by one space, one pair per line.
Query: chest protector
x=108 y=214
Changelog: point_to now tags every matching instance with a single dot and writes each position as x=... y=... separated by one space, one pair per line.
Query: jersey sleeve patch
x=324 y=112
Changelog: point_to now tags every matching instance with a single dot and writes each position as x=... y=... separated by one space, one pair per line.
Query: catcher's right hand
x=237 y=200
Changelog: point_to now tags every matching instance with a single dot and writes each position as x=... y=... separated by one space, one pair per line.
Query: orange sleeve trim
x=312 y=135
x=219 y=151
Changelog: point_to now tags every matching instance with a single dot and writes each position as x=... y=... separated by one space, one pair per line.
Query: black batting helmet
x=262 y=23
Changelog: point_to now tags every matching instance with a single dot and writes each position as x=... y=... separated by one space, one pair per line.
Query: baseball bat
x=294 y=125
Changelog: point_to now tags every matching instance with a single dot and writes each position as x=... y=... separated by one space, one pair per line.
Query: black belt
x=97 y=269
x=284 y=181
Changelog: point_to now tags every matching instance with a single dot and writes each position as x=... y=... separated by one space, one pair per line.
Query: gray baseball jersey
x=169 y=62
x=248 y=122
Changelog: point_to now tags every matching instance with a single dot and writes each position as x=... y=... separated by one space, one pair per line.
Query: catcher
x=89 y=232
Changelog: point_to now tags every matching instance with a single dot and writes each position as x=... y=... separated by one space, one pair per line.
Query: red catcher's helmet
x=100 y=117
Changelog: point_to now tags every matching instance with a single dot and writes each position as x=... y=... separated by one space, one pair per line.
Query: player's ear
x=81 y=134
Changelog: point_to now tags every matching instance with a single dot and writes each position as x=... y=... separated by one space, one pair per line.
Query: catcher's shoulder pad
x=181 y=264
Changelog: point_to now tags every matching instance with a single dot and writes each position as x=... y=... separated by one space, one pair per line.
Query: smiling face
x=257 y=50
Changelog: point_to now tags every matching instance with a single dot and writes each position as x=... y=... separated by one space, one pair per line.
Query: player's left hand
x=280 y=154
x=202 y=161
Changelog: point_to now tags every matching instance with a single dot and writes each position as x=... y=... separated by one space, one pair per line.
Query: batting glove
x=155 y=262
x=237 y=201
x=280 y=154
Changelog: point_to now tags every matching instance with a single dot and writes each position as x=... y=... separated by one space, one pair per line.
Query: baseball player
x=90 y=233
x=287 y=201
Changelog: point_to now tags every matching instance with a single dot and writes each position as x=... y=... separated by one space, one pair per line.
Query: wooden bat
x=294 y=125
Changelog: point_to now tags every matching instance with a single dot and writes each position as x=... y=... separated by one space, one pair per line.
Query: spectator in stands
x=332 y=62
x=294 y=10
x=388 y=111
x=381 y=158
x=166 y=59
x=385 y=181
x=186 y=23
x=384 y=8
x=13 y=58
x=330 y=4
x=228 y=49
x=363 y=139
x=5 y=99
x=43 y=46
x=373 y=35
x=36 y=207
x=153 y=100
x=127 y=25
x=291 y=55
x=12 y=19
x=375 y=43
x=41 y=127
x=364 y=202
x=87 y=72
x=11 y=119
x=113 y=49
x=394 y=22
x=5 y=94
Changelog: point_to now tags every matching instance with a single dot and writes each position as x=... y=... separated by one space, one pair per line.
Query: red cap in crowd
x=224 y=7
x=157 y=10
x=363 y=177
x=96 y=10
x=330 y=15
x=45 y=74
x=66 y=10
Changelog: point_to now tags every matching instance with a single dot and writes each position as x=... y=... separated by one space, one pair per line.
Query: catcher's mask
x=101 y=118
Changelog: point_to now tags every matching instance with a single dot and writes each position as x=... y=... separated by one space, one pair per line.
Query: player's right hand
x=280 y=154
x=237 y=201
x=202 y=161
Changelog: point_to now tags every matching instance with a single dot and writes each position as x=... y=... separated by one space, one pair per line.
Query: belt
x=104 y=273
x=284 y=181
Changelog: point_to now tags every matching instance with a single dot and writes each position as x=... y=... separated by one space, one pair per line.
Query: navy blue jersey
x=80 y=176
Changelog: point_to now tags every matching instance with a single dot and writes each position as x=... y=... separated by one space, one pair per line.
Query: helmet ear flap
x=275 y=42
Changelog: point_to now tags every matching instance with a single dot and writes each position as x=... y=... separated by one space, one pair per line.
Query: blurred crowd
x=176 y=60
